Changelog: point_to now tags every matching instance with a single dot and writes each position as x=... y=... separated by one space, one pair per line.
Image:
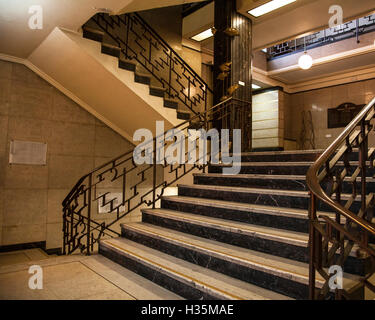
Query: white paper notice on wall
x=27 y=152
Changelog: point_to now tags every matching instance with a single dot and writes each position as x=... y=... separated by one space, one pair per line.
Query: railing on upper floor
x=98 y=202
x=140 y=42
x=333 y=240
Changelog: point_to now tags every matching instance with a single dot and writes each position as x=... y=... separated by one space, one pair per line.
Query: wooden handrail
x=312 y=174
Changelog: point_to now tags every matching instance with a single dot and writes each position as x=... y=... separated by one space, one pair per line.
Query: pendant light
x=305 y=61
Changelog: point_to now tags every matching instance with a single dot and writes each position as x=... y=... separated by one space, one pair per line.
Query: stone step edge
x=200 y=285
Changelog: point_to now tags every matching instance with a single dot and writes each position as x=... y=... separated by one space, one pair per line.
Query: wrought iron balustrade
x=99 y=201
x=333 y=239
x=141 y=43
x=351 y=29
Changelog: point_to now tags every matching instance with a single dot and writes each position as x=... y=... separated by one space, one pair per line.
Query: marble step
x=293 y=155
x=92 y=34
x=286 y=182
x=261 y=196
x=184 y=278
x=282 y=243
x=281 y=275
x=269 y=216
x=280 y=168
x=278 y=156
x=111 y=50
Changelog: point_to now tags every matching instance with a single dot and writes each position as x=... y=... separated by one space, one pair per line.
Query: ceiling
x=326 y=67
x=299 y=18
x=18 y=40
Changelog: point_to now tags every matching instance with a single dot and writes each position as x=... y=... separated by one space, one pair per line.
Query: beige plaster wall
x=31 y=196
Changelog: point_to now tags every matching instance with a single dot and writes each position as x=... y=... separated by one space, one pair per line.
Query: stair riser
x=127 y=66
x=234 y=238
x=170 y=104
x=245 y=273
x=142 y=79
x=286 y=201
x=278 y=170
x=157 y=92
x=155 y=275
x=111 y=51
x=183 y=115
x=92 y=36
x=283 y=184
x=275 y=221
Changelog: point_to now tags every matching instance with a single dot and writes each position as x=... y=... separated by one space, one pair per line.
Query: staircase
x=243 y=236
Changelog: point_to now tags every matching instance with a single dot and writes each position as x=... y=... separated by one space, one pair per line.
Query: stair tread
x=282 y=267
x=281 y=192
x=130 y=282
x=93 y=30
x=284 y=211
x=140 y=74
x=128 y=61
x=191 y=273
x=264 y=153
x=110 y=46
x=158 y=88
x=286 y=236
x=281 y=163
x=267 y=176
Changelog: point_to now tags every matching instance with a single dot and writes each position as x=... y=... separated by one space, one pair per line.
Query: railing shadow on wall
x=98 y=202
x=140 y=42
x=337 y=180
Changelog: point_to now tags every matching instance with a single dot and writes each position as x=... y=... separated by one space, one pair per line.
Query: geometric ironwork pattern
x=139 y=41
x=121 y=186
x=350 y=29
x=347 y=231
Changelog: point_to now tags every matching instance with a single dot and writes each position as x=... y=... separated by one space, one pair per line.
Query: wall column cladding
x=268 y=120
x=235 y=49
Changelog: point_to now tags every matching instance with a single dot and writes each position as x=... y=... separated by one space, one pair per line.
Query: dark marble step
x=93 y=34
x=157 y=91
x=183 y=115
x=270 y=197
x=111 y=50
x=168 y=103
x=285 y=182
x=283 y=276
x=281 y=243
x=278 y=156
x=186 y=279
x=280 y=168
x=142 y=78
x=127 y=65
x=269 y=216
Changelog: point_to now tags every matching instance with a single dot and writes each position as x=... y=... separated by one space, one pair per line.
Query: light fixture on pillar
x=305 y=61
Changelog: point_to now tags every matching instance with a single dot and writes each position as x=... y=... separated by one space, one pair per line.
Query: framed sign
x=342 y=115
x=27 y=152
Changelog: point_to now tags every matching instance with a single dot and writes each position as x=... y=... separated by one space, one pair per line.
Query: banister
x=312 y=174
x=121 y=186
x=79 y=182
x=172 y=50
x=358 y=226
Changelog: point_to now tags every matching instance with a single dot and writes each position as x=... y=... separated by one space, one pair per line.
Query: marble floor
x=75 y=277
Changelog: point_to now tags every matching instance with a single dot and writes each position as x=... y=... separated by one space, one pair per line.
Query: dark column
x=233 y=45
